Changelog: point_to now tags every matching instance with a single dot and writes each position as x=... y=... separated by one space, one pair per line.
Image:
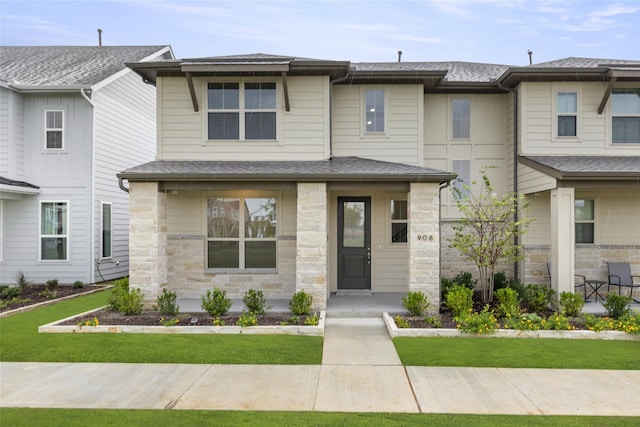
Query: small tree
x=486 y=231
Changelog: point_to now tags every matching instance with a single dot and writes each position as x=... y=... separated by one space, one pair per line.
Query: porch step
x=353 y=292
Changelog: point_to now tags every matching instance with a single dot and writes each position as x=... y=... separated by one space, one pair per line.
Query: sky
x=486 y=31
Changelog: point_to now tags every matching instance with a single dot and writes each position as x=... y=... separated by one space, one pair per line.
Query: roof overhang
x=17 y=191
x=515 y=75
x=429 y=79
x=16 y=87
x=586 y=168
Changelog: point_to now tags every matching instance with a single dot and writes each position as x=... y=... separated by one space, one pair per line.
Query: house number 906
x=425 y=237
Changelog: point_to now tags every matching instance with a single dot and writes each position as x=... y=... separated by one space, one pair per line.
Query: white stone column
x=562 y=240
x=147 y=239
x=423 y=238
x=311 y=242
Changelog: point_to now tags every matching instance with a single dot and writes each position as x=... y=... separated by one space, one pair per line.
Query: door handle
x=369 y=255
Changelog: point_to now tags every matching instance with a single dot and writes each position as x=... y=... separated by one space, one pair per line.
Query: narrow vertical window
x=399 y=221
x=461 y=118
x=224 y=110
x=106 y=231
x=374 y=110
x=53 y=231
x=567 y=113
x=585 y=220
x=260 y=111
x=53 y=130
x=463 y=181
x=625 y=116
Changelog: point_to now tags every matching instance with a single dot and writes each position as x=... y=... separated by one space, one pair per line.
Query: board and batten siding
x=539 y=117
x=486 y=146
x=125 y=136
x=401 y=140
x=303 y=132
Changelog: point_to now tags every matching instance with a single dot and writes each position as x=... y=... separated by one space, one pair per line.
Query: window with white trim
x=54 y=129
x=585 y=220
x=54 y=231
x=374 y=110
x=241 y=233
x=625 y=116
x=463 y=181
x=461 y=116
x=399 y=221
x=242 y=111
x=105 y=230
x=567 y=109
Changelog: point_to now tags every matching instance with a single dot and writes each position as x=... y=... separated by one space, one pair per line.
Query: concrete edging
x=394 y=331
x=55 y=328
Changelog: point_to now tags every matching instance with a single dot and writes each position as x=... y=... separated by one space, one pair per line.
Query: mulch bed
x=34 y=294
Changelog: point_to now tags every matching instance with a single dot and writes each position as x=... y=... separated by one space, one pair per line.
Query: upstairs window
x=461 y=113
x=53 y=129
x=374 y=110
x=585 y=220
x=399 y=221
x=54 y=226
x=463 y=182
x=567 y=113
x=625 y=114
x=241 y=111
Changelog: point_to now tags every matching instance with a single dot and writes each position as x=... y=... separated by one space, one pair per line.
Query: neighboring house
x=71 y=117
x=285 y=174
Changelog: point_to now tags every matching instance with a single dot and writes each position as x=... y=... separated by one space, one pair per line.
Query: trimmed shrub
x=52 y=283
x=125 y=300
x=166 y=303
x=78 y=284
x=216 y=302
x=460 y=300
x=255 y=302
x=416 y=302
x=508 y=302
x=571 y=304
x=617 y=305
x=300 y=303
x=538 y=298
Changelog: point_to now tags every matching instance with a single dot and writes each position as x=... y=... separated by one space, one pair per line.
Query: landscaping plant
x=52 y=283
x=22 y=280
x=78 y=284
x=125 y=300
x=537 y=297
x=416 y=302
x=216 y=302
x=255 y=302
x=166 y=303
x=482 y=323
x=571 y=304
x=247 y=318
x=460 y=300
x=617 y=305
x=300 y=303
x=508 y=302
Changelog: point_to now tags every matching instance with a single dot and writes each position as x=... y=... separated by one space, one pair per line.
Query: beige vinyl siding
x=531 y=180
x=487 y=145
x=594 y=130
x=303 y=132
x=399 y=143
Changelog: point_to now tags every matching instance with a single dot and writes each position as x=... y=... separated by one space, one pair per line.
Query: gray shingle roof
x=586 y=167
x=338 y=169
x=14 y=183
x=67 y=65
x=573 y=62
x=456 y=71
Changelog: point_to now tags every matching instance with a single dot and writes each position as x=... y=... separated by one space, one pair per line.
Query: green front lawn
x=519 y=353
x=21 y=342
x=112 y=417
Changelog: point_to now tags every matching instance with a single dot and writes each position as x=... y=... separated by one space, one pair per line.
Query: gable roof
x=586 y=167
x=336 y=169
x=81 y=66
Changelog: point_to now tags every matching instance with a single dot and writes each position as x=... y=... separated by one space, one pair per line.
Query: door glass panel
x=353 y=231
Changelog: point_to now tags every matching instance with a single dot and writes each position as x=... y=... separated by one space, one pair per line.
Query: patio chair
x=582 y=284
x=620 y=276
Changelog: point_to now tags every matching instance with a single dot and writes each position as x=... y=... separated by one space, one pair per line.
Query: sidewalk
x=360 y=372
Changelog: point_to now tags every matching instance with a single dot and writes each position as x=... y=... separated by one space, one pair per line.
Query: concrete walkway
x=360 y=372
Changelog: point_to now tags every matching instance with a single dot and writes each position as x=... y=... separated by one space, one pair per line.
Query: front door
x=354 y=243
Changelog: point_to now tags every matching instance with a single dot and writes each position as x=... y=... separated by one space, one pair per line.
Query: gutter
x=94 y=231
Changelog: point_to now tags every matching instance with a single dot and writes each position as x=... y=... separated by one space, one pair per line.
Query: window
x=463 y=182
x=584 y=214
x=105 y=250
x=461 y=118
x=53 y=130
x=244 y=237
x=399 y=221
x=242 y=111
x=53 y=231
x=374 y=110
x=625 y=112
x=567 y=113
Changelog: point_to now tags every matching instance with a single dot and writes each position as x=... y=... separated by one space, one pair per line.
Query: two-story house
x=71 y=117
x=281 y=174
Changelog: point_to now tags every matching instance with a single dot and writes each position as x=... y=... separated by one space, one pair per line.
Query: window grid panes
x=241 y=233
x=399 y=221
x=567 y=113
x=585 y=220
x=53 y=130
x=625 y=112
x=461 y=118
x=374 y=110
x=242 y=111
x=106 y=230
x=53 y=231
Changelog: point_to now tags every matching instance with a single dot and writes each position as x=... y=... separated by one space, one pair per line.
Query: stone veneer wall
x=312 y=245
x=147 y=239
x=590 y=261
x=188 y=278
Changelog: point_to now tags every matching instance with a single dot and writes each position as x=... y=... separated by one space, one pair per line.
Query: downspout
x=92 y=234
x=516 y=215
x=331 y=83
x=121 y=185
x=442 y=187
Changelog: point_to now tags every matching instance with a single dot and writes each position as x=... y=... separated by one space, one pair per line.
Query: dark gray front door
x=354 y=243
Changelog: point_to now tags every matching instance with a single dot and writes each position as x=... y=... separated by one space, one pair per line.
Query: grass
x=518 y=353
x=21 y=342
x=176 y=418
